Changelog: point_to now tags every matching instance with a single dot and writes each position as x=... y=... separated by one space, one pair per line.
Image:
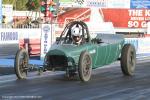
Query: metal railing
x=20 y=26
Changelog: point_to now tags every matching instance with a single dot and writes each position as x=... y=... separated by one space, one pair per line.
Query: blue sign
x=0 y=11
x=138 y=4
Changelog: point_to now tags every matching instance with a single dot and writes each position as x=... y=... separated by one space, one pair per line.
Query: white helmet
x=76 y=31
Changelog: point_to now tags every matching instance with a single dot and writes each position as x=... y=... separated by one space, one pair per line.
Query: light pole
x=15 y=12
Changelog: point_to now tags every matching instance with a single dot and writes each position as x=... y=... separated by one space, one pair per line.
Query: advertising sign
x=47 y=38
x=116 y=11
x=7 y=10
x=9 y=42
x=96 y=3
x=8 y=36
x=139 y=4
x=118 y=4
x=127 y=18
x=121 y=18
x=72 y=3
x=12 y=39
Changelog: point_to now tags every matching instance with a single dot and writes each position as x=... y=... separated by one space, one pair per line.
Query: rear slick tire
x=128 y=59
x=21 y=64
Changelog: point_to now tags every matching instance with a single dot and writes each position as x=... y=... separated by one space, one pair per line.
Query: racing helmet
x=76 y=33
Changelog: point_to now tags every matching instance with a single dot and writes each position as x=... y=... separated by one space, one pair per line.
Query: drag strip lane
x=106 y=84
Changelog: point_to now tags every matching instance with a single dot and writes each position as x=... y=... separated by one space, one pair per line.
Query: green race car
x=81 y=58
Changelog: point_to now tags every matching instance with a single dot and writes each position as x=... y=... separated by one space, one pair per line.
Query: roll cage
x=66 y=36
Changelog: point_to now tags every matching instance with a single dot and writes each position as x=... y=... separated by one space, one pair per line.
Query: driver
x=76 y=35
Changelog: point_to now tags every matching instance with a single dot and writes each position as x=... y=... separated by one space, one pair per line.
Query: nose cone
x=60 y=50
x=56 y=52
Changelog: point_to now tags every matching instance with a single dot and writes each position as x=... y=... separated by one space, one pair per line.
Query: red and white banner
x=127 y=18
x=74 y=14
x=121 y=18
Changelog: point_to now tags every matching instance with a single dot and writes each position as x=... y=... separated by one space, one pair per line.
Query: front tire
x=21 y=64
x=128 y=59
x=85 y=66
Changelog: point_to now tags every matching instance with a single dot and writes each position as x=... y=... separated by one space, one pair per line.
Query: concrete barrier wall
x=142 y=45
x=32 y=37
x=18 y=38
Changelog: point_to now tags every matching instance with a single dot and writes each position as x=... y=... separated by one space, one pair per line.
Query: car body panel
x=102 y=53
x=109 y=50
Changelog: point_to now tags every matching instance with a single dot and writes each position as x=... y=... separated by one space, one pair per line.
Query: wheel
x=21 y=64
x=128 y=59
x=85 y=66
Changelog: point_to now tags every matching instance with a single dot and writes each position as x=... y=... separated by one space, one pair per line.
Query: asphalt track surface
x=8 y=50
x=107 y=83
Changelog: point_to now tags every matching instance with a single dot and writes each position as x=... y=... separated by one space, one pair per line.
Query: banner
x=118 y=4
x=9 y=42
x=95 y=3
x=47 y=38
x=72 y=3
x=121 y=18
x=9 y=36
x=73 y=14
x=127 y=18
x=139 y=4
x=7 y=11
x=12 y=39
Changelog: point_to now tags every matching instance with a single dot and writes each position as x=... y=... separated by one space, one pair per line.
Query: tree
x=8 y=1
x=33 y=5
x=20 y=5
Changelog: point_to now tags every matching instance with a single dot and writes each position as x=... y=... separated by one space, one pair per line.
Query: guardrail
x=29 y=26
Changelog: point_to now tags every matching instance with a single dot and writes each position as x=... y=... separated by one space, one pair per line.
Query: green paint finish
x=102 y=54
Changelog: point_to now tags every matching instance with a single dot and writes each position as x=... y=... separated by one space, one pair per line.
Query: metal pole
x=15 y=13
